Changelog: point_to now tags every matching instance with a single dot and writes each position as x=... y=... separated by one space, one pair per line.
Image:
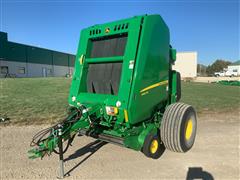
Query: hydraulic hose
x=43 y=135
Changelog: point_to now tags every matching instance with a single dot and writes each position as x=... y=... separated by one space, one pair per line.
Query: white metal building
x=186 y=64
x=234 y=68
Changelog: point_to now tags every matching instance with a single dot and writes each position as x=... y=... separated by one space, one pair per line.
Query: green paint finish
x=149 y=129
x=136 y=140
x=145 y=77
x=152 y=64
x=173 y=55
x=173 y=87
x=147 y=83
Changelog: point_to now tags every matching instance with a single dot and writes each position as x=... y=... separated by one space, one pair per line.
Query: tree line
x=209 y=70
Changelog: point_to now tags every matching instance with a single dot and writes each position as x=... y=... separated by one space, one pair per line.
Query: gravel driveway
x=215 y=155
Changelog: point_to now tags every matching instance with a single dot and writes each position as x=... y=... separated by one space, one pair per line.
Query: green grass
x=40 y=100
x=211 y=97
x=34 y=100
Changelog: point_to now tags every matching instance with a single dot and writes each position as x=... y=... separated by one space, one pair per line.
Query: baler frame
x=125 y=107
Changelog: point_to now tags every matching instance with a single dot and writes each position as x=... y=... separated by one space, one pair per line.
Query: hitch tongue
x=36 y=153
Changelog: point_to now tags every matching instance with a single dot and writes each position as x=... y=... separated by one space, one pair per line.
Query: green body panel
x=152 y=64
x=149 y=50
x=147 y=83
x=135 y=140
x=173 y=87
x=148 y=47
x=79 y=80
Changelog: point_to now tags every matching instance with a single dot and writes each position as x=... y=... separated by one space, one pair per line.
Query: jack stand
x=61 y=163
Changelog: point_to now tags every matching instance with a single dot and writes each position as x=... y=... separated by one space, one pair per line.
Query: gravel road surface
x=215 y=155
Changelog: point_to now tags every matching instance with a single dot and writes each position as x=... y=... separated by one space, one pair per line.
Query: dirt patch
x=215 y=79
x=215 y=154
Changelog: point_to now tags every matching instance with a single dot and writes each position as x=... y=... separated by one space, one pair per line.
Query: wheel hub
x=154 y=146
x=189 y=129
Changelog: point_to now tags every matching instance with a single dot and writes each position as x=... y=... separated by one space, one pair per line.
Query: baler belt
x=104 y=78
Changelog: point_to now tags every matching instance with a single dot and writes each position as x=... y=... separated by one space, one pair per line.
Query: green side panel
x=71 y=60
x=39 y=55
x=136 y=142
x=152 y=65
x=173 y=55
x=173 y=86
x=15 y=52
x=60 y=59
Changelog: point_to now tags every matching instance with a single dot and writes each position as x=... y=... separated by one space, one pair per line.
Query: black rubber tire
x=174 y=127
x=147 y=145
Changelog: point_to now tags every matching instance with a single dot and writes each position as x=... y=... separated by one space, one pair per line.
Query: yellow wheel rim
x=189 y=129
x=154 y=146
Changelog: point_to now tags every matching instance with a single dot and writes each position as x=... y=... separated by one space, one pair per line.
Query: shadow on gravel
x=89 y=148
x=198 y=173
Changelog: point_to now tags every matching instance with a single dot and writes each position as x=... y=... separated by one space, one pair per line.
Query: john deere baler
x=124 y=91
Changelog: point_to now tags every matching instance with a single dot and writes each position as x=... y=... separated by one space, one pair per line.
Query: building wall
x=39 y=55
x=186 y=64
x=234 y=67
x=14 y=68
x=71 y=60
x=60 y=70
x=34 y=70
x=15 y=52
x=39 y=70
x=60 y=59
x=36 y=61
